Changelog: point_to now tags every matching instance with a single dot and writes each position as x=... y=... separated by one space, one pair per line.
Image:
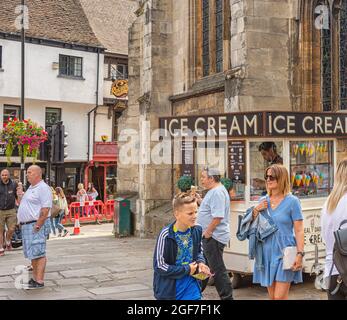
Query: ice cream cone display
x=298 y=179
x=315 y=178
x=306 y=148
x=292 y=178
x=310 y=149
x=301 y=148
x=303 y=179
x=295 y=148
x=325 y=149
x=321 y=177
x=307 y=180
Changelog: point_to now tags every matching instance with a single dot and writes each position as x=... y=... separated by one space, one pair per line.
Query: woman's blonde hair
x=80 y=186
x=340 y=186
x=281 y=174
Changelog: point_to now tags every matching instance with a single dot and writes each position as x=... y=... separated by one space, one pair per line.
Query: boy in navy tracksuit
x=178 y=254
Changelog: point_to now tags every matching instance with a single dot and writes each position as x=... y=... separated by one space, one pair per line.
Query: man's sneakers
x=65 y=232
x=32 y=285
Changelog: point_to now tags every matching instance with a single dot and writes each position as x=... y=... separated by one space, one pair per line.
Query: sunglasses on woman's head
x=271 y=178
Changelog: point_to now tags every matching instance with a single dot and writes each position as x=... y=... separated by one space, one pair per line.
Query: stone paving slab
x=74 y=281
x=85 y=272
x=5 y=279
x=118 y=289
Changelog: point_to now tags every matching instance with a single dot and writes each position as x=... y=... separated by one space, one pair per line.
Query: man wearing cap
x=33 y=211
x=213 y=216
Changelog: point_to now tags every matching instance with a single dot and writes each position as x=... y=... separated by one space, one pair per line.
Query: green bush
x=184 y=183
x=227 y=183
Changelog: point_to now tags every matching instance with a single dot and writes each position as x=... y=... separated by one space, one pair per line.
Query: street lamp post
x=21 y=112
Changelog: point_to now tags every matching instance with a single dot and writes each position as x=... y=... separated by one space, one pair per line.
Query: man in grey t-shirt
x=213 y=217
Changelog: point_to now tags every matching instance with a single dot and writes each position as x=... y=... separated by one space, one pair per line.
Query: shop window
x=262 y=155
x=10 y=112
x=311 y=168
x=53 y=115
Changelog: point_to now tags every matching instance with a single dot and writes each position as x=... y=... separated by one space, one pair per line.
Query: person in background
x=64 y=211
x=269 y=152
x=333 y=213
x=92 y=195
x=82 y=197
x=54 y=202
x=8 y=215
x=214 y=216
x=285 y=211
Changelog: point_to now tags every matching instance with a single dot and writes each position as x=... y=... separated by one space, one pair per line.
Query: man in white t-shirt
x=33 y=211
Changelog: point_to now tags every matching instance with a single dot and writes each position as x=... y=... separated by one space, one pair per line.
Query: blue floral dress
x=288 y=211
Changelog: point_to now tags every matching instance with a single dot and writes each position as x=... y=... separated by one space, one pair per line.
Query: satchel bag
x=55 y=210
x=340 y=256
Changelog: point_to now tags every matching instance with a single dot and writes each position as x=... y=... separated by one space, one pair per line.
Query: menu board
x=237 y=160
x=187 y=168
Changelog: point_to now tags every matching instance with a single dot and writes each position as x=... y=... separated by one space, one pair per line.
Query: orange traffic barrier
x=109 y=209
x=76 y=229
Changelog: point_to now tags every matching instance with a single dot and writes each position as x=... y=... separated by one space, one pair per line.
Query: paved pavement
x=96 y=265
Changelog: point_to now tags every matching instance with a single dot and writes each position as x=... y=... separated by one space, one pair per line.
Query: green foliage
x=184 y=183
x=227 y=183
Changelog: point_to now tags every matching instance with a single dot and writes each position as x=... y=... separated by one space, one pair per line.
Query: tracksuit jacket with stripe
x=164 y=261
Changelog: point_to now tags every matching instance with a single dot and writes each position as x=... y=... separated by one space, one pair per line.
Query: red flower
x=25 y=121
x=15 y=119
x=5 y=124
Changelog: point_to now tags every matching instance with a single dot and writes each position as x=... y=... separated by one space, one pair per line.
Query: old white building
x=63 y=77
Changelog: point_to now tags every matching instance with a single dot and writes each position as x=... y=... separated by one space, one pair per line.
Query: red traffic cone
x=76 y=229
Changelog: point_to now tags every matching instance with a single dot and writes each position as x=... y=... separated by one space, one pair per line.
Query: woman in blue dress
x=285 y=210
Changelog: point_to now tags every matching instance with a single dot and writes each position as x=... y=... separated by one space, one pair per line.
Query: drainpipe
x=93 y=110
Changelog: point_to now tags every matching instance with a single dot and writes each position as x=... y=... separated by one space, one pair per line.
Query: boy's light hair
x=181 y=199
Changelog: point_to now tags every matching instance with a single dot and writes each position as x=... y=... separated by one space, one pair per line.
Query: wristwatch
x=302 y=253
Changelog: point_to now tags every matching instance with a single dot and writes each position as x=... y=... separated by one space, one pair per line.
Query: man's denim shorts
x=34 y=243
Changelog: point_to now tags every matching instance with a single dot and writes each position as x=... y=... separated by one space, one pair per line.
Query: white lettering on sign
x=338 y=126
x=222 y=126
x=199 y=131
x=318 y=124
x=235 y=126
x=174 y=134
x=211 y=126
x=275 y=124
x=253 y=123
x=308 y=131
x=184 y=127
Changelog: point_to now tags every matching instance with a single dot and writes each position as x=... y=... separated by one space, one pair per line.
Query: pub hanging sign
x=256 y=124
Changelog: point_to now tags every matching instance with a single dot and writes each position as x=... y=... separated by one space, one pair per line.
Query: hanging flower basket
x=26 y=135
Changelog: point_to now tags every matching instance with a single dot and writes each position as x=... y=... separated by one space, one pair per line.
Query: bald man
x=8 y=215
x=34 y=209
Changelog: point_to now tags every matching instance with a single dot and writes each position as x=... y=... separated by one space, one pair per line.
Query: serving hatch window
x=311 y=168
x=262 y=154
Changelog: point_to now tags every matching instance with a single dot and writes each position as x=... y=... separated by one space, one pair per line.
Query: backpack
x=340 y=256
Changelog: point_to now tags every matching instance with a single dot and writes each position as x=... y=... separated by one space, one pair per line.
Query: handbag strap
x=339 y=279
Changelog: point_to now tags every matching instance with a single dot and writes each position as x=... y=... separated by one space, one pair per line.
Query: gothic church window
x=211 y=14
x=333 y=56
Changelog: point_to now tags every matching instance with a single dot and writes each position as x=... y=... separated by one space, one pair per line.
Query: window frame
x=69 y=64
x=48 y=125
x=13 y=107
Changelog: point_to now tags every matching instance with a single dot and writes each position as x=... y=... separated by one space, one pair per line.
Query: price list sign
x=187 y=168
x=237 y=160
